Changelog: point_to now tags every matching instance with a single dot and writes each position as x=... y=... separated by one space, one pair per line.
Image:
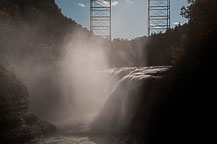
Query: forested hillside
x=156 y=50
x=184 y=110
x=32 y=38
x=34 y=26
x=186 y=105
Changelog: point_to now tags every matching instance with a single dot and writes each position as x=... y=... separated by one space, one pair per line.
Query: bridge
x=100 y=17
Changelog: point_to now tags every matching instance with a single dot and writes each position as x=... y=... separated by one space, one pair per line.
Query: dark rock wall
x=17 y=123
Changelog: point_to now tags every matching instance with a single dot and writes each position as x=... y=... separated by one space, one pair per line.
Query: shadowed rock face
x=131 y=101
x=17 y=123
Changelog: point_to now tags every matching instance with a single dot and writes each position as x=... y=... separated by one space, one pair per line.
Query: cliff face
x=17 y=123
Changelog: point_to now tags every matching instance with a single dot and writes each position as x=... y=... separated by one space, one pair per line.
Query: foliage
x=36 y=27
x=158 y=49
x=170 y=47
x=186 y=110
x=202 y=26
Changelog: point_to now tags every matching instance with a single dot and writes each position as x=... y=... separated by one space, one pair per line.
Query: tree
x=202 y=16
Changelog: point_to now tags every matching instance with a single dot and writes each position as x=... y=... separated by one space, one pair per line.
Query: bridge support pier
x=158 y=16
x=100 y=18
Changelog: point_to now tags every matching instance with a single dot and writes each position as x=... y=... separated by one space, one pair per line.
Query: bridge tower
x=100 y=18
x=158 y=16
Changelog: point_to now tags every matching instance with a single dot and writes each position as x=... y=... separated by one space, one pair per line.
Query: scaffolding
x=100 y=18
x=158 y=16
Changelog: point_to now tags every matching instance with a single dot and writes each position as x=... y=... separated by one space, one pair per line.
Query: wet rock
x=17 y=123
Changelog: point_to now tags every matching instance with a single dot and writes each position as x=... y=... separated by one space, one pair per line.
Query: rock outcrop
x=17 y=123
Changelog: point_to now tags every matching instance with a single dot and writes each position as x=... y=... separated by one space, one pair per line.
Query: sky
x=129 y=17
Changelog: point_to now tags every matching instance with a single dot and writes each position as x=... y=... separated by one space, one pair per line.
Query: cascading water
x=117 y=111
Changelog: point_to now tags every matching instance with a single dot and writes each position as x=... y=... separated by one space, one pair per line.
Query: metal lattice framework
x=100 y=18
x=158 y=16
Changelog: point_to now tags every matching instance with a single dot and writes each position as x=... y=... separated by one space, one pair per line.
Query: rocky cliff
x=17 y=123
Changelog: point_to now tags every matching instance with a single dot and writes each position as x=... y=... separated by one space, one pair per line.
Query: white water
x=81 y=131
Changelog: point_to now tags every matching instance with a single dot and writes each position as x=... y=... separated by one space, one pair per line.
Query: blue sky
x=129 y=17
